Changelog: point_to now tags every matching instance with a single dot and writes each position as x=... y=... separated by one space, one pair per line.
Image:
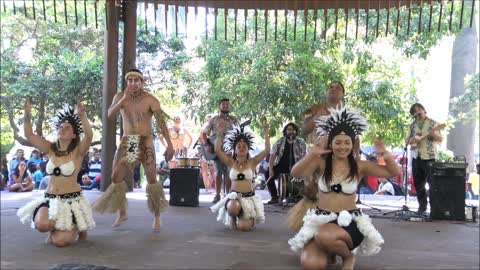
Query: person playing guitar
x=208 y=139
x=423 y=138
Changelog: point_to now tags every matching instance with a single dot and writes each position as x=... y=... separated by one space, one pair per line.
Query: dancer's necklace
x=60 y=152
x=242 y=164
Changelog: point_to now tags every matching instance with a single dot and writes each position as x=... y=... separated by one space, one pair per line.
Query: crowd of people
x=328 y=164
x=23 y=175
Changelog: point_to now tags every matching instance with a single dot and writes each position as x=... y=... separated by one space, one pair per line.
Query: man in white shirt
x=385 y=187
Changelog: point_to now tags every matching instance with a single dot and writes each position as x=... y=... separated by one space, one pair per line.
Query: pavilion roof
x=310 y=10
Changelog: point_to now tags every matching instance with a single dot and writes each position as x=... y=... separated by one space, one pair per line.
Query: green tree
x=50 y=63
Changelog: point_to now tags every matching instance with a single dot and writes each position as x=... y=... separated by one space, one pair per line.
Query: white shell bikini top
x=338 y=186
x=66 y=169
x=241 y=175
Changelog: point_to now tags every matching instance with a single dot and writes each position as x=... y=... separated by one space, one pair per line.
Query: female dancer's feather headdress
x=235 y=135
x=341 y=120
x=67 y=114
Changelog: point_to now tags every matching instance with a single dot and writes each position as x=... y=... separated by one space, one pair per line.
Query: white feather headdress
x=341 y=120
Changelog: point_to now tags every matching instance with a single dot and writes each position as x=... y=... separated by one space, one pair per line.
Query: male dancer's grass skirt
x=252 y=207
x=131 y=149
x=67 y=210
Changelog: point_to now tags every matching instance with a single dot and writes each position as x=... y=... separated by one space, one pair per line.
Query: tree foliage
x=465 y=107
x=51 y=64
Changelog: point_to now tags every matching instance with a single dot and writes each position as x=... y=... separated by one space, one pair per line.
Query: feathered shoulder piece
x=237 y=134
x=341 y=121
x=67 y=114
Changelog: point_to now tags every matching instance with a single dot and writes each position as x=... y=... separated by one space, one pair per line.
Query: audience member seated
x=4 y=171
x=163 y=171
x=88 y=184
x=39 y=174
x=19 y=157
x=95 y=165
x=385 y=187
x=22 y=181
x=33 y=161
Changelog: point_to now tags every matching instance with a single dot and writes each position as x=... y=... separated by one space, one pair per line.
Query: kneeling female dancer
x=336 y=226
x=241 y=203
x=64 y=212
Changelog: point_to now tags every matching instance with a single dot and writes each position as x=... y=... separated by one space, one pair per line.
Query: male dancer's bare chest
x=137 y=113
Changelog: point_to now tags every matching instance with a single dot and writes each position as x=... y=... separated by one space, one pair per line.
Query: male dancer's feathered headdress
x=235 y=135
x=67 y=114
x=341 y=120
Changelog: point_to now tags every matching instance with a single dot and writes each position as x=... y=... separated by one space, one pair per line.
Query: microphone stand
x=405 y=213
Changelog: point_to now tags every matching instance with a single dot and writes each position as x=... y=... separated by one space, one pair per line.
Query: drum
x=194 y=162
x=182 y=162
x=290 y=187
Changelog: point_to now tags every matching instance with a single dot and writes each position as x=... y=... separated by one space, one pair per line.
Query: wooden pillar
x=110 y=75
x=129 y=55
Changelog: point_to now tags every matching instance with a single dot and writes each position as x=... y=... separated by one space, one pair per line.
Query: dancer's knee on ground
x=234 y=208
x=312 y=257
x=61 y=241
x=245 y=224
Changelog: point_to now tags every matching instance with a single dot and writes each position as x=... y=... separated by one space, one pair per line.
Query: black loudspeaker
x=447 y=192
x=184 y=189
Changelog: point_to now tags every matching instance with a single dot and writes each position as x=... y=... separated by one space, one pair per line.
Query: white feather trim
x=311 y=221
x=252 y=207
x=373 y=240
x=344 y=218
x=62 y=211
x=370 y=245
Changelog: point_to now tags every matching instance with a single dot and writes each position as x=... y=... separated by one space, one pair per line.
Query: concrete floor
x=191 y=238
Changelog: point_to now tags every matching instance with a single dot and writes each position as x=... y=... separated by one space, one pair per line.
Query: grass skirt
x=252 y=207
x=370 y=245
x=64 y=209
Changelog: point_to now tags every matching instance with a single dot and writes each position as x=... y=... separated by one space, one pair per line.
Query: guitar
x=211 y=155
x=420 y=138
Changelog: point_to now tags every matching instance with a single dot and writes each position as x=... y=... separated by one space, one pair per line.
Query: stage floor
x=191 y=238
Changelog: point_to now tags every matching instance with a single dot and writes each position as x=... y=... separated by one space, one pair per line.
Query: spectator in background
x=95 y=166
x=84 y=168
x=370 y=182
x=163 y=171
x=88 y=183
x=136 y=176
x=385 y=187
x=4 y=169
x=19 y=157
x=207 y=166
x=44 y=183
x=22 y=181
x=45 y=159
x=39 y=174
x=33 y=161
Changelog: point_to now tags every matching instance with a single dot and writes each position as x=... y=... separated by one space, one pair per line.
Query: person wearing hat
x=333 y=225
x=137 y=108
x=34 y=160
x=64 y=212
x=208 y=139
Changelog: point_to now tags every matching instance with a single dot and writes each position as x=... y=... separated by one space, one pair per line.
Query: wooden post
x=110 y=76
